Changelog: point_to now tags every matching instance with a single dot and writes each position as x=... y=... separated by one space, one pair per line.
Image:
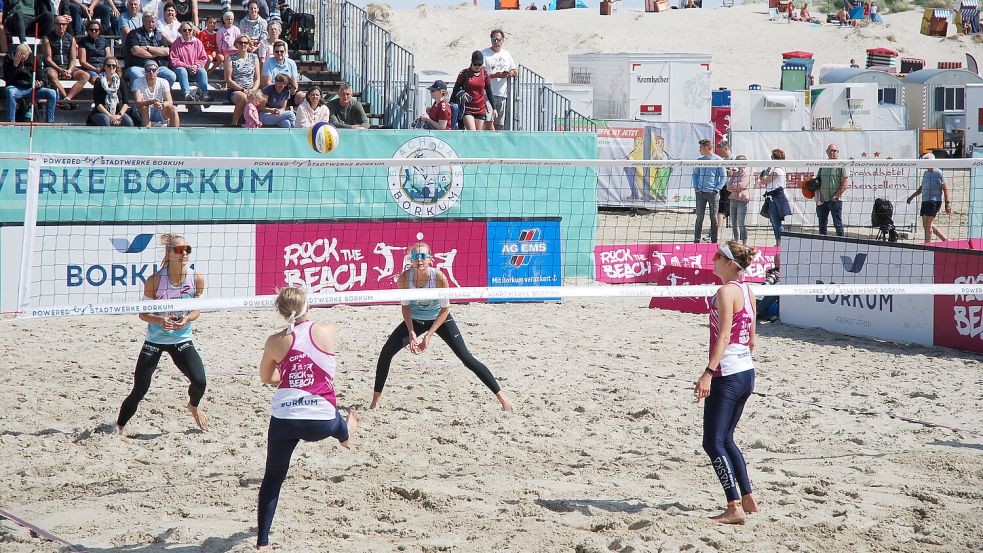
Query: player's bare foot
x=120 y=431
x=353 y=421
x=264 y=548
x=376 y=396
x=505 y=401
x=733 y=515
x=749 y=504
x=200 y=419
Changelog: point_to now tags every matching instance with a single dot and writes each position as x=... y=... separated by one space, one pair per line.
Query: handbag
x=766 y=207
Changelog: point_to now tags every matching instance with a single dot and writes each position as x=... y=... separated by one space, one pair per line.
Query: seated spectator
x=843 y=17
x=254 y=100
x=347 y=113
x=169 y=25
x=438 y=116
x=252 y=25
x=188 y=58
x=187 y=11
x=3 y=32
x=473 y=91
x=22 y=15
x=60 y=58
x=209 y=39
x=266 y=10
x=805 y=15
x=18 y=73
x=93 y=49
x=131 y=19
x=281 y=64
x=146 y=43
x=311 y=111
x=83 y=10
x=276 y=113
x=241 y=76
x=273 y=31
x=109 y=109
x=152 y=97
x=227 y=35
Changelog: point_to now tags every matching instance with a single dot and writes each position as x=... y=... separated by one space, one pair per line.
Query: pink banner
x=959 y=319
x=670 y=265
x=344 y=257
x=720 y=118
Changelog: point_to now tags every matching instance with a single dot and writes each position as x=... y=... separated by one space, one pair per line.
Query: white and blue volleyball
x=323 y=138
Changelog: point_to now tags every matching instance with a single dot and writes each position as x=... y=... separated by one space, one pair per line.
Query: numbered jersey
x=306 y=388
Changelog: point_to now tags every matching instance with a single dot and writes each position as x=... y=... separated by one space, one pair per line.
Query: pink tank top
x=306 y=388
x=737 y=357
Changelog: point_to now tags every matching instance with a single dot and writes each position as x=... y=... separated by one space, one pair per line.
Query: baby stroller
x=882 y=218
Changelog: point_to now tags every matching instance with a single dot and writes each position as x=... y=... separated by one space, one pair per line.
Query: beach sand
x=603 y=451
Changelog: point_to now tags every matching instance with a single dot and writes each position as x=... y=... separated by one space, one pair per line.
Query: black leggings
x=284 y=435
x=723 y=409
x=186 y=358
x=451 y=336
x=18 y=26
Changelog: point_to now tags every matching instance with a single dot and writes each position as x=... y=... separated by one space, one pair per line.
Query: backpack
x=301 y=31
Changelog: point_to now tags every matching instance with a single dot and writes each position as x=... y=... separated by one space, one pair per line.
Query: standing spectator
x=347 y=113
x=209 y=39
x=253 y=26
x=438 y=115
x=774 y=179
x=227 y=35
x=188 y=58
x=707 y=182
x=833 y=183
x=83 y=10
x=874 y=16
x=93 y=49
x=18 y=73
x=723 y=208
x=500 y=67
x=109 y=109
x=739 y=184
x=472 y=91
x=276 y=113
x=254 y=99
x=22 y=15
x=273 y=32
x=146 y=43
x=152 y=96
x=933 y=190
x=311 y=111
x=132 y=19
x=241 y=76
x=169 y=25
x=60 y=58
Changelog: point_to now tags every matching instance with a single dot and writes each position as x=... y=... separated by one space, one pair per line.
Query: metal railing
x=534 y=106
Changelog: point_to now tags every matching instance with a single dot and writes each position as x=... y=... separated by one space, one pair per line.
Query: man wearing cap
x=500 y=67
x=152 y=98
x=472 y=90
x=146 y=43
x=438 y=115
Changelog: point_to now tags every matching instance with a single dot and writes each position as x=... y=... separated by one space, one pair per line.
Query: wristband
x=709 y=370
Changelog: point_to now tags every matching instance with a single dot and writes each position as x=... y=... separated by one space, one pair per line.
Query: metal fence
x=534 y=106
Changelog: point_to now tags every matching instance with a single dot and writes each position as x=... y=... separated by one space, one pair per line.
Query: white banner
x=814 y=261
x=110 y=263
x=11 y=244
x=639 y=140
x=866 y=184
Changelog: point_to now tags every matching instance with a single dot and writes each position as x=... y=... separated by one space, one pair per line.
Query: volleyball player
x=424 y=318
x=304 y=406
x=170 y=332
x=728 y=380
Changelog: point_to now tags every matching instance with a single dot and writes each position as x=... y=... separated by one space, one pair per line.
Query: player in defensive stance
x=728 y=380
x=300 y=361
x=424 y=318
x=170 y=332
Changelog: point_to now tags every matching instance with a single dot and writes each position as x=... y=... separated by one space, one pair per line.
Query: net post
x=30 y=226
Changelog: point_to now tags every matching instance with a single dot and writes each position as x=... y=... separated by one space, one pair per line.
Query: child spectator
x=252 y=25
x=209 y=39
x=227 y=35
x=311 y=111
x=254 y=99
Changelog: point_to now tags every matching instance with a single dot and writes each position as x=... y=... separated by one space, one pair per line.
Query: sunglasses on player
x=419 y=256
x=182 y=249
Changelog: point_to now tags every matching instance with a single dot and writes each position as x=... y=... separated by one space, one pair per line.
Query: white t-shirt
x=779 y=180
x=496 y=62
x=157 y=93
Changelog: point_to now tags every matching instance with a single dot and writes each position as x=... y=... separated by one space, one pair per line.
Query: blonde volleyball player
x=170 y=332
x=300 y=361
x=424 y=318
x=728 y=380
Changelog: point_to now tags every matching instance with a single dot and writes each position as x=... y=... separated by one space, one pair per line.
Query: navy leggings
x=284 y=435
x=187 y=360
x=449 y=333
x=723 y=410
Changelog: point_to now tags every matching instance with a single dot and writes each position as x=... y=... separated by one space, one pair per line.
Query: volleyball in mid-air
x=323 y=138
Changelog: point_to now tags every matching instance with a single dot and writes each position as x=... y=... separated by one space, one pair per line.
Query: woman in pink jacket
x=738 y=184
x=188 y=57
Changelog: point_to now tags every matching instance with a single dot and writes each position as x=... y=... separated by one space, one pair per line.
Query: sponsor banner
x=11 y=244
x=347 y=257
x=959 y=319
x=648 y=186
x=720 y=117
x=866 y=184
x=670 y=265
x=976 y=192
x=524 y=253
x=111 y=263
x=814 y=260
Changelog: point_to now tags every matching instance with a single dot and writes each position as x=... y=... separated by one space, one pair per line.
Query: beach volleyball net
x=89 y=228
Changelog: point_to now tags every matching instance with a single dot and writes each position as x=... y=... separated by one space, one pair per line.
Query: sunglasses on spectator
x=111 y=66
x=419 y=256
x=279 y=51
x=188 y=30
x=150 y=70
x=94 y=29
x=243 y=43
x=182 y=249
x=497 y=39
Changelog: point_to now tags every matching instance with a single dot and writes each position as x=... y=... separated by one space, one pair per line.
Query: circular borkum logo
x=426 y=190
